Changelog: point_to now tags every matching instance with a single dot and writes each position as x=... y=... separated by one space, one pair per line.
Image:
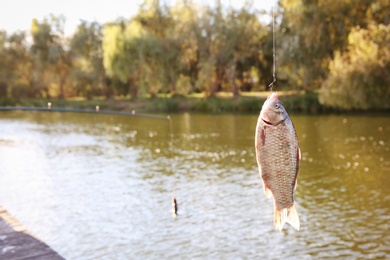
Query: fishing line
x=273 y=51
x=97 y=110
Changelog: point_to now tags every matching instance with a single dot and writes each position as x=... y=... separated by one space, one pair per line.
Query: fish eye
x=277 y=105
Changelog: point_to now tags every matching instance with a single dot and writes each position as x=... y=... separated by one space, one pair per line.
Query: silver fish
x=278 y=156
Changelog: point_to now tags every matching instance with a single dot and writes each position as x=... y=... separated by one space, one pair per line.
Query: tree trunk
x=107 y=87
x=132 y=88
x=61 y=95
x=233 y=79
x=216 y=87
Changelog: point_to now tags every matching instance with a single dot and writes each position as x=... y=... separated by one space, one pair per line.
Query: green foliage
x=219 y=105
x=183 y=85
x=51 y=59
x=307 y=103
x=6 y=101
x=16 y=67
x=252 y=105
x=163 y=105
x=230 y=43
x=339 y=48
x=88 y=73
x=359 y=78
x=312 y=32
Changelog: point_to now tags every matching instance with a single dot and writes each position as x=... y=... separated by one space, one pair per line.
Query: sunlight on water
x=100 y=187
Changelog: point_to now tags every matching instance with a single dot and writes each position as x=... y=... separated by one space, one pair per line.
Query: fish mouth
x=266 y=122
x=269 y=123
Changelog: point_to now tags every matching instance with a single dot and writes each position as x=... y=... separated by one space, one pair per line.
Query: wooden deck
x=17 y=243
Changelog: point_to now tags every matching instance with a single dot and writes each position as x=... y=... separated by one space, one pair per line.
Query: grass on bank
x=249 y=102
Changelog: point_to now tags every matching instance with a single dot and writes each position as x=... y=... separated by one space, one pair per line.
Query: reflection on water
x=100 y=187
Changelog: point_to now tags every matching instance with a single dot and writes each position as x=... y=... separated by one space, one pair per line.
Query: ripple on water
x=92 y=181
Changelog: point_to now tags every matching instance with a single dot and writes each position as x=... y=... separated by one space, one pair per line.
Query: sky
x=17 y=14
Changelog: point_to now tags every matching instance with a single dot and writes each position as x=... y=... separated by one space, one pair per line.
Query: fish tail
x=288 y=215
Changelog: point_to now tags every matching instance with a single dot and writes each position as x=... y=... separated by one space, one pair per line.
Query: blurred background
x=338 y=51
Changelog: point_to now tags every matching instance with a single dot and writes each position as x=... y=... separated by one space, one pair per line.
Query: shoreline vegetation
x=248 y=102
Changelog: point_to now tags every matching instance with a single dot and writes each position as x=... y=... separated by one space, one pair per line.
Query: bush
x=163 y=105
x=250 y=105
x=307 y=103
x=359 y=78
x=7 y=102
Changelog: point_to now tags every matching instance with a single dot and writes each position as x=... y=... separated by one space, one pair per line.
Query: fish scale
x=281 y=185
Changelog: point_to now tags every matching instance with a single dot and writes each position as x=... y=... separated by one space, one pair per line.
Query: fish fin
x=298 y=160
x=260 y=170
x=299 y=154
x=296 y=184
x=259 y=141
x=267 y=191
x=260 y=135
x=288 y=215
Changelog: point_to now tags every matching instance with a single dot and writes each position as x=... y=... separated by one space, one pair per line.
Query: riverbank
x=295 y=102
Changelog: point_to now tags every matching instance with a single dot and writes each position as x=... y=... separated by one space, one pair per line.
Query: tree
x=250 y=49
x=185 y=31
x=313 y=30
x=211 y=38
x=141 y=52
x=122 y=54
x=42 y=40
x=15 y=66
x=160 y=47
x=231 y=43
x=87 y=68
x=52 y=59
x=359 y=78
x=3 y=65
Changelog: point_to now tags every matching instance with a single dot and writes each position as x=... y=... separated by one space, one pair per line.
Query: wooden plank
x=5 y=228
x=17 y=243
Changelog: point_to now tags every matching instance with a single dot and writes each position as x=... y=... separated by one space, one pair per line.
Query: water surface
x=100 y=187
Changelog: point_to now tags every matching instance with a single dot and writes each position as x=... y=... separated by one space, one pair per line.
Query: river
x=100 y=186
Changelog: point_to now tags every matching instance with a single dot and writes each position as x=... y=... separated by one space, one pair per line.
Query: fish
x=278 y=156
